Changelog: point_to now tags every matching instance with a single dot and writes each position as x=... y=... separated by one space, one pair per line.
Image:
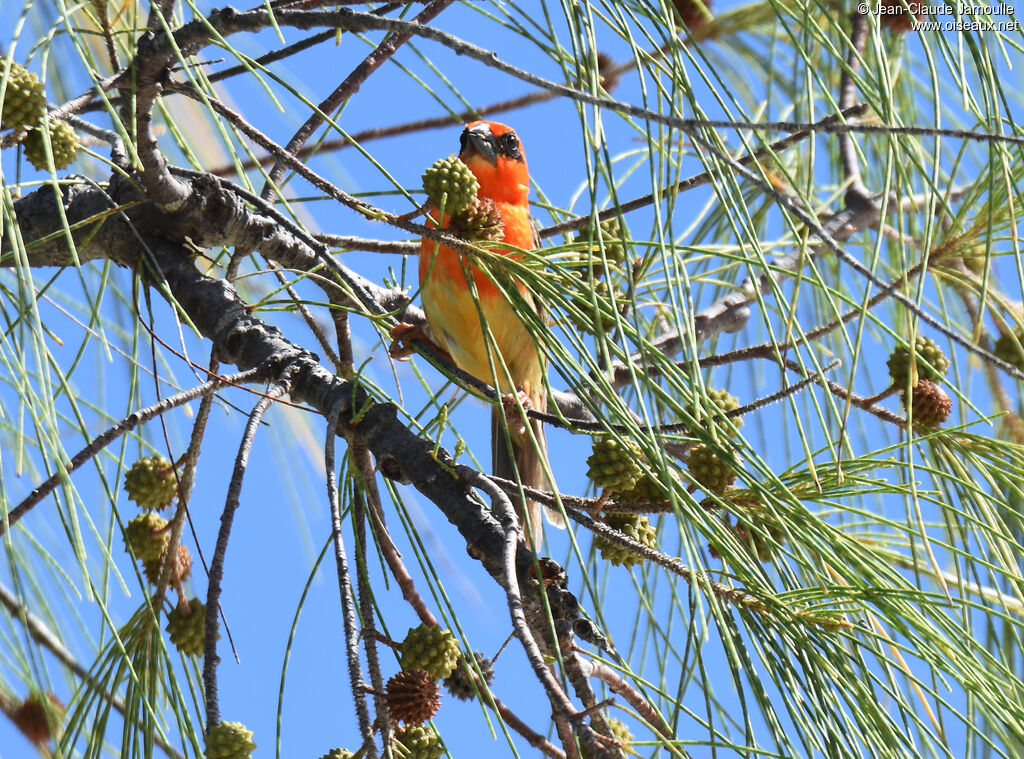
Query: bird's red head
x=494 y=154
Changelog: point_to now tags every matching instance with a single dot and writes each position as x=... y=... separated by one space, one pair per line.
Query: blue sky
x=284 y=522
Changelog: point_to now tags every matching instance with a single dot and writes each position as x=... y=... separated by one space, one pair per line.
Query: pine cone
x=63 y=143
x=187 y=630
x=229 y=740
x=480 y=221
x=180 y=571
x=338 y=753
x=721 y=404
x=694 y=13
x=147 y=536
x=608 y=71
x=151 y=482
x=24 y=101
x=619 y=732
x=460 y=683
x=584 y=315
x=761 y=545
x=430 y=648
x=709 y=471
x=929 y=363
x=975 y=258
x=418 y=742
x=1006 y=348
x=39 y=717
x=452 y=178
x=413 y=696
x=762 y=532
x=931 y=404
x=613 y=465
x=634 y=526
x=647 y=490
x=613 y=238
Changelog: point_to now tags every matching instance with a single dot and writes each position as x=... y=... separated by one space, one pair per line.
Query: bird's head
x=494 y=154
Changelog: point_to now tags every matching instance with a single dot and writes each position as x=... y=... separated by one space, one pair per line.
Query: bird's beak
x=479 y=140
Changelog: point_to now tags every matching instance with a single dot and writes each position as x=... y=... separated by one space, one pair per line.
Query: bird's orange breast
x=456 y=317
x=449 y=264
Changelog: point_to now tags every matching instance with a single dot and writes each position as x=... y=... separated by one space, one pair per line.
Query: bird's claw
x=402 y=337
x=514 y=418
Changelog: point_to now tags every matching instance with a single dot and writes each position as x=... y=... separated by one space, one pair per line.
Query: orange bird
x=494 y=154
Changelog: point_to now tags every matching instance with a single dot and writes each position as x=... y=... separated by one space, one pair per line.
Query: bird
x=495 y=155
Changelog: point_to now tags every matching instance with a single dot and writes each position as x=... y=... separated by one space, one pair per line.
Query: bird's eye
x=509 y=144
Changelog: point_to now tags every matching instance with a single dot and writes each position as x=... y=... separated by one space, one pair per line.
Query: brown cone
x=39 y=719
x=413 y=696
x=695 y=13
x=606 y=68
x=181 y=570
x=931 y=404
x=897 y=17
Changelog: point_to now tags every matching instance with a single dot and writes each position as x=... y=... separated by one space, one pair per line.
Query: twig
x=705 y=177
x=594 y=505
x=217 y=562
x=185 y=483
x=127 y=424
x=228 y=21
x=735 y=596
x=767 y=350
x=532 y=737
x=354 y=20
x=367 y=135
x=345 y=364
x=561 y=706
x=392 y=557
x=618 y=684
x=597 y=736
x=845 y=257
x=865 y=404
x=610 y=75
x=502 y=505
x=857 y=192
x=108 y=37
x=361 y=456
x=347 y=88
x=730 y=313
x=785 y=392
x=348 y=606
x=320 y=251
x=586 y=425
x=45 y=637
x=348 y=242
x=161 y=187
x=275 y=55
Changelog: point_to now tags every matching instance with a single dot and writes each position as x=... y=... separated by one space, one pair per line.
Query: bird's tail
x=527 y=457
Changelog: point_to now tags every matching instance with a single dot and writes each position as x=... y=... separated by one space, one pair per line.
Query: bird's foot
x=402 y=337
x=514 y=418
